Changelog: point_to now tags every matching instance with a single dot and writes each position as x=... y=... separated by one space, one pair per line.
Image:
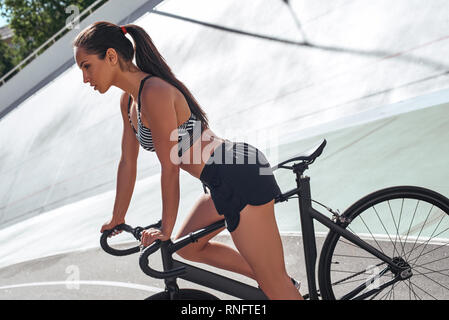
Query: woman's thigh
x=258 y=240
x=201 y=215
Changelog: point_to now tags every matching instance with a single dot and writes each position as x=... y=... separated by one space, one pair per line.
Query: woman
x=161 y=115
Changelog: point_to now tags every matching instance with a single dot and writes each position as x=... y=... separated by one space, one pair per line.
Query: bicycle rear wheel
x=408 y=224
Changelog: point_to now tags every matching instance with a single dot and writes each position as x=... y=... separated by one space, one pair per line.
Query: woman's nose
x=85 y=78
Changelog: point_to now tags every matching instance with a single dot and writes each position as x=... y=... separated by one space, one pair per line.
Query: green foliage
x=6 y=58
x=33 y=23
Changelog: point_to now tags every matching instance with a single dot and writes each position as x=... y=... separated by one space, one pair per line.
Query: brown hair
x=101 y=35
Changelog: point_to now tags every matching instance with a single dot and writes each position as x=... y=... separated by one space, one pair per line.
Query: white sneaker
x=296 y=283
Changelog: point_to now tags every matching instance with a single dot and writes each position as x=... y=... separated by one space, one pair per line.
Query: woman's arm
x=127 y=168
x=170 y=199
x=159 y=110
x=126 y=179
x=170 y=202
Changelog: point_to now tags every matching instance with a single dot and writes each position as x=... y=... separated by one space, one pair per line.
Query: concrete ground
x=105 y=277
x=95 y=275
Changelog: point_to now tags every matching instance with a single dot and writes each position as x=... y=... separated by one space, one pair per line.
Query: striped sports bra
x=188 y=132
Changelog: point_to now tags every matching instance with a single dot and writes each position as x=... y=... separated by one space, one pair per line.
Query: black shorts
x=238 y=174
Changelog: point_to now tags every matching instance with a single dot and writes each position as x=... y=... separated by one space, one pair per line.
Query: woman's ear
x=111 y=56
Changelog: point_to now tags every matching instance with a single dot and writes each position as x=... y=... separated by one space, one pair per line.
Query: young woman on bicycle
x=160 y=114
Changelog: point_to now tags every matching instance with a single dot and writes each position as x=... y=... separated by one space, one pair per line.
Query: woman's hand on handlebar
x=111 y=224
x=150 y=235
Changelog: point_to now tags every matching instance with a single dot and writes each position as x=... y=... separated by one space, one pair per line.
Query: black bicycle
x=391 y=244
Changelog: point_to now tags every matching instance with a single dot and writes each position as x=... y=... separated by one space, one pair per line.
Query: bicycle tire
x=184 y=294
x=334 y=284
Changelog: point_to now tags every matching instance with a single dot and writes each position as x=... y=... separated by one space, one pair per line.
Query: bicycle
x=384 y=256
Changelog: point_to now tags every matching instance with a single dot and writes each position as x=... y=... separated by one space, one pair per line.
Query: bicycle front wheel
x=408 y=224
x=184 y=294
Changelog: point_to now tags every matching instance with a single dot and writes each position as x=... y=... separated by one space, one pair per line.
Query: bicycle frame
x=172 y=269
x=308 y=214
x=197 y=275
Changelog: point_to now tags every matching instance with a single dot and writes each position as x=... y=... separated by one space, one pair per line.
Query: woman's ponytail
x=149 y=60
x=101 y=35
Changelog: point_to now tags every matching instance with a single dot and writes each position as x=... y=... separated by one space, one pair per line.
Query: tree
x=6 y=62
x=33 y=23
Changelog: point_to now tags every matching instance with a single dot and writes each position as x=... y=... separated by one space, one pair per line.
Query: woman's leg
x=258 y=240
x=205 y=251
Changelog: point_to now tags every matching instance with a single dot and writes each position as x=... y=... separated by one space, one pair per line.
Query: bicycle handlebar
x=145 y=252
x=136 y=232
x=143 y=262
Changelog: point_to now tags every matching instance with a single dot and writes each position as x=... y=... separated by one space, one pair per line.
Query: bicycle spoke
x=431 y=236
x=360 y=257
x=347 y=282
x=348 y=279
x=385 y=294
x=411 y=222
x=388 y=293
x=380 y=291
x=432 y=280
x=444 y=245
x=352 y=272
x=409 y=290
x=415 y=260
x=397 y=227
x=386 y=231
x=420 y=231
x=413 y=290
x=394 y=247
x=418 y=287
x=392 y=291
x=410 y=287
x=371 y=235
x=434 y=271
x=432 y=261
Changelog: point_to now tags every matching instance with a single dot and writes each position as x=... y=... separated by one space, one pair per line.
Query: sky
x=2 y=21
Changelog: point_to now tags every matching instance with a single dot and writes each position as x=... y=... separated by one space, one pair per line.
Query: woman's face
x=98 y=73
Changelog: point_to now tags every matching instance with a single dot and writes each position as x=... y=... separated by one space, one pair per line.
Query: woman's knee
x=191 y=252
x=185 y=253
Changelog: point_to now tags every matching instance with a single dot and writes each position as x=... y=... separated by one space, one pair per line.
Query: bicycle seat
x=307 y=156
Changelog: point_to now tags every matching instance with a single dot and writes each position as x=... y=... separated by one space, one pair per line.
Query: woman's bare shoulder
x=157 y=88
x=124 y=99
